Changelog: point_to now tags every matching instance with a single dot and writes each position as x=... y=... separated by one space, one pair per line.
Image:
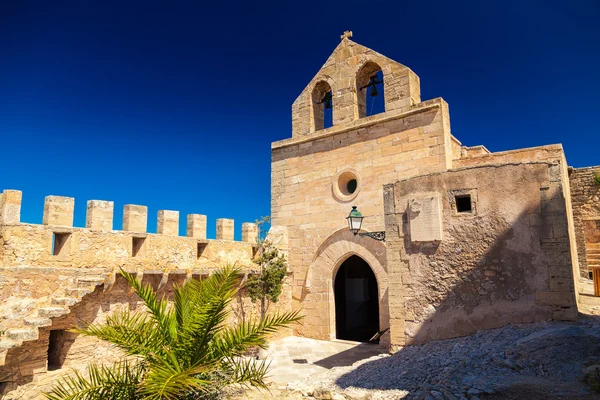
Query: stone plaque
x=425 y=216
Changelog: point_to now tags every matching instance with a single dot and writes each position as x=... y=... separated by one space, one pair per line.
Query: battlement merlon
x=99 y=216
x=59 y=213
x=196 y=226
x=135 y=218
x=10 y=206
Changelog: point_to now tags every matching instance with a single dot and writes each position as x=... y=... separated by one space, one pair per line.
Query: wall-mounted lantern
x=355 y=219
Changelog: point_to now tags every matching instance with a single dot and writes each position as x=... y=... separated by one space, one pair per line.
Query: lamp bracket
x=374 y=235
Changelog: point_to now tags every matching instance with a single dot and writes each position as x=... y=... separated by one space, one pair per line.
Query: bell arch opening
x=356 y=301
x=370 y=90
x=322 y=106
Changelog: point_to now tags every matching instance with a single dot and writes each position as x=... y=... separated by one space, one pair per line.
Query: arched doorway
x=356 y=301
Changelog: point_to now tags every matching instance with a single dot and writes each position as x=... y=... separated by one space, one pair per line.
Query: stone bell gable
x=346 y=70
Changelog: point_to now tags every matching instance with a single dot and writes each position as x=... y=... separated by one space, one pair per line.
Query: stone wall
x=507 y=260
x=585 y=194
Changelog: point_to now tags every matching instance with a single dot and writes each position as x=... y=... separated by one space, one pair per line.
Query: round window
x=346 y=185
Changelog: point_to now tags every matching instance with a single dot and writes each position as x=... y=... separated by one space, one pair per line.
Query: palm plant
x=183 y=349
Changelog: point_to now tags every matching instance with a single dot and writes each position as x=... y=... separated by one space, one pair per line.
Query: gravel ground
x=515 y=362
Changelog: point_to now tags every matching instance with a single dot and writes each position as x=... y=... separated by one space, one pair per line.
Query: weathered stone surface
x=585 y=199
x=58 y=211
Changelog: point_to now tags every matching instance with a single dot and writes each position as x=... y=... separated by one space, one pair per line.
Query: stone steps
x=57 y=307
x=39 y=322
x=65 y=301
x=52 y=312
x=77 y=292
x=86 y=281
x=23 y=334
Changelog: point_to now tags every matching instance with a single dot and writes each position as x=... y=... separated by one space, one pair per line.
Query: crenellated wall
x=56 y=243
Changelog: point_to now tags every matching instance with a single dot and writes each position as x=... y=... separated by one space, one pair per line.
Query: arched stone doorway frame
x=326 y=262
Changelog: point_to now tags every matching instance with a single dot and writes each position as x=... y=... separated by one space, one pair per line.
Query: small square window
x=59 y=243
x=463 y=203
x=137 y=245
x=201 y=248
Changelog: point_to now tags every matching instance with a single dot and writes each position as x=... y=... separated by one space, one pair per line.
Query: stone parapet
x=135 y=218
x=225 y=229
x=58 y=211
x=10 y=206
x=99 y=215
x=196 y=226
x=168 y=223
x=249 y=232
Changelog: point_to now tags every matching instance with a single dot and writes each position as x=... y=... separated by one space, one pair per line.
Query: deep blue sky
x=174 y=104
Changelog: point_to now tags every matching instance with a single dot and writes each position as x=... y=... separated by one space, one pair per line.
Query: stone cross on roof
x=346 y=35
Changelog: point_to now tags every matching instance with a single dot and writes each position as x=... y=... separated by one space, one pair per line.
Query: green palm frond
x=247 y=371
x=134 y=333
x=235 y=340
x=120 y=381
x=159 y=309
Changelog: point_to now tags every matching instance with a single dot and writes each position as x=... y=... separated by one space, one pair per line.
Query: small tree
x=267 y=286
x=597 y=178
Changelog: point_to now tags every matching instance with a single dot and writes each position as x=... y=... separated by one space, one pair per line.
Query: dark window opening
x=137 y=243
x=351 y=186
x=59 y=241
x=58 y=344
x=356 y=301
x=463 y=203
x=201 y=248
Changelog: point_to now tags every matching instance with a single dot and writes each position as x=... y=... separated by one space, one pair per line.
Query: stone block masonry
x=58 y=211
x=196 y=226
x=135 y=218
x=10 y=207
x=100 y=215
x=225 y=229
x=168 y=223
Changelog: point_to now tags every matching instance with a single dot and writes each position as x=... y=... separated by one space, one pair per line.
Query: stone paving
x=295 y=358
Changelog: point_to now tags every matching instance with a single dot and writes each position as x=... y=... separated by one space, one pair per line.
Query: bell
x=374 y=91
x=328 y=103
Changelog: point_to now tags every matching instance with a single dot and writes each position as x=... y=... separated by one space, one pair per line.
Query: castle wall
x=54 y=276
x=307 y=192
x=508 y=260
x=586 y=212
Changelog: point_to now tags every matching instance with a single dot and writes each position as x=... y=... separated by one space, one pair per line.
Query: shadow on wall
x=485 y=274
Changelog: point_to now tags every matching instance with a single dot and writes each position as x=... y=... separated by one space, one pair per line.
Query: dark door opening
x=356 y=301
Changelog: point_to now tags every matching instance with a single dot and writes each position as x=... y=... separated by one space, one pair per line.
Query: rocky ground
x=538 y=361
